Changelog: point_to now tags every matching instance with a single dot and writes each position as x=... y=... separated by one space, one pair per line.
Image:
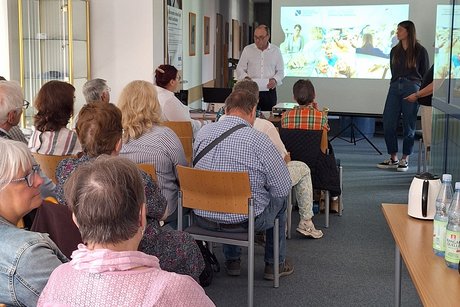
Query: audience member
x=54 y=104
x=167 y=80
x=99 y=129
x=147 y=141
x=15 y=132
x=249 y=150
x=11 y=105
x=262 y=54
x=26 y=258
x=107 y=200
x=298 y=171
x=307 y=116
x=96 y=90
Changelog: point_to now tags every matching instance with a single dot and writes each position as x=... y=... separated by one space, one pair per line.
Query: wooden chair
x=149 y=169
x=225 y=192
x=49 y=163
x=308 y=146
x=185 y=133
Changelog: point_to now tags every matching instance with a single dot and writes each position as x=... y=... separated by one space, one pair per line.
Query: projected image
x=340 y=41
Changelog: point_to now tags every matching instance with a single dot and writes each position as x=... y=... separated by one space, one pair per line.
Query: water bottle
x=443 y=201
x=452 y=253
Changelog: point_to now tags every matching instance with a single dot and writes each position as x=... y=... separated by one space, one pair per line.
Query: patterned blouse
x=55 y=143
x=176 y=250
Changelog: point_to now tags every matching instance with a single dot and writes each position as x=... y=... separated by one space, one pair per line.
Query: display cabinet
x=53 y=45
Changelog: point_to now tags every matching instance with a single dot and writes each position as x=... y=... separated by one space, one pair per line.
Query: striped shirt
x=304 y=117
x=161 y=147
x=245 y=149
x=55 y=143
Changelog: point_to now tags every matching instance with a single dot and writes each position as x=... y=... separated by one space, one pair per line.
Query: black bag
x=211 y=264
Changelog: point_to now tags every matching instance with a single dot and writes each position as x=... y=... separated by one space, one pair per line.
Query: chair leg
x=326 y=202
x=419 y=156
x=276 y=253
x=289 y=214
x=251 y=274
x=341 y=189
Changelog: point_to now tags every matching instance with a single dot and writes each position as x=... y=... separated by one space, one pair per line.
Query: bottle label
x=452 y=246
x=439 y=235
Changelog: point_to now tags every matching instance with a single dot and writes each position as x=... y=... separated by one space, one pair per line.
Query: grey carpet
x=353 y=264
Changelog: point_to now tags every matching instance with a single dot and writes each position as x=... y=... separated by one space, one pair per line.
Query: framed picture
x=192 y=34
x=206 y=41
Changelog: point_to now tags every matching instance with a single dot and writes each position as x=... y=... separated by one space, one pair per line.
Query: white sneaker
x=403 y=166
x=309 y=230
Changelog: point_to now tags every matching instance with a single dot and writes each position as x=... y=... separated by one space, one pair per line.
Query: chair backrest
x=305 y=145
x=185 y=133
x=149 y=169
x=217 y=191
x=48 y=164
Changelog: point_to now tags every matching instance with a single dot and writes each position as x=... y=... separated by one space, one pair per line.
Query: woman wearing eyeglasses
x=26 y=258
x=54 y=104
x=167 y=79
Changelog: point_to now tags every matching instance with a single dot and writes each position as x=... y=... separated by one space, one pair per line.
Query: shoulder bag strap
x=215 y=142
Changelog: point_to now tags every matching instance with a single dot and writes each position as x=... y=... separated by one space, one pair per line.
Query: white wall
x=127 y=40
x=124 y=43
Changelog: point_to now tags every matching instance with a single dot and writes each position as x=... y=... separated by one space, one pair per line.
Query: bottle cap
x=457 y=185
x=446 y=177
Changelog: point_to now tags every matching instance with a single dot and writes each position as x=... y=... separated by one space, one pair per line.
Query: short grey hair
x=14 y=158
x=93 y=89
x=11 y=98
x=106 y=196
x=247 y=85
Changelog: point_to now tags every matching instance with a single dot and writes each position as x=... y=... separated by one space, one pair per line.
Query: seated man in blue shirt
x=249 y=150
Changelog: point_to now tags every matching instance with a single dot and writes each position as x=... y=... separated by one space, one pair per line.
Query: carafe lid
x=427 y=176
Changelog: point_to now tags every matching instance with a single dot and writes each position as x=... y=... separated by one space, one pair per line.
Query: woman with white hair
x=26 y=258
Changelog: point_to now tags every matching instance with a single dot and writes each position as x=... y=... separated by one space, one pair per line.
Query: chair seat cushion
x=241 y=236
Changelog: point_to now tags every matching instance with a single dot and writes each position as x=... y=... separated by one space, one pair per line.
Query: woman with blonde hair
x=145 y=140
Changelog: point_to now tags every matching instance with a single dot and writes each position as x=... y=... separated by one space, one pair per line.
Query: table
x=436 y=284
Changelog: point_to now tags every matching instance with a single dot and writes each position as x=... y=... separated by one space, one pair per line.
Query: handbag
x=211 y=264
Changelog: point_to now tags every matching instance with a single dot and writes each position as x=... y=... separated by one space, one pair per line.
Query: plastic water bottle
x=452 y=253
x=443 y=201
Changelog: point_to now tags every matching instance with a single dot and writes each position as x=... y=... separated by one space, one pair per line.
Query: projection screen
x=343 y=48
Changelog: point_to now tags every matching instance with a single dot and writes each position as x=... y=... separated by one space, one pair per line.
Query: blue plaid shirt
x=244 y=150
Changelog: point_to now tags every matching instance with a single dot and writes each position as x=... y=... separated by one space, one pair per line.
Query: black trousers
x=267 y=100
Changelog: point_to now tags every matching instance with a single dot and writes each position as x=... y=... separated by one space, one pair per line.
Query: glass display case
x=54 y=45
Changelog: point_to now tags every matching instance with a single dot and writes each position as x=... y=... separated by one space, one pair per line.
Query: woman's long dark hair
x=411 y=51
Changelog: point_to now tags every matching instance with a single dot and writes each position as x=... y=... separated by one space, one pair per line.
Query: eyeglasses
x=29 y=179
x=178 y=78
x=259 y=38
x=25 y=104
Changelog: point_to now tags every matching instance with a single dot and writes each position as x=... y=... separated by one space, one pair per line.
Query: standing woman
x=167 y=79
x=408 y=63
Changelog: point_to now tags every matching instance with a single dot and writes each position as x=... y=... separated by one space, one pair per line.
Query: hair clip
x=160 y=70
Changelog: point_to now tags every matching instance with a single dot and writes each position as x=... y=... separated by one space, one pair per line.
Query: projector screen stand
x=353 y=139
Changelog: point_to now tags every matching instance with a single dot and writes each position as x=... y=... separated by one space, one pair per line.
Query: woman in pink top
x=107 y=200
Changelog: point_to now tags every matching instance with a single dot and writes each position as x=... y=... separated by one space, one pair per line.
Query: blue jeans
x=264 y=221
x=396 y=105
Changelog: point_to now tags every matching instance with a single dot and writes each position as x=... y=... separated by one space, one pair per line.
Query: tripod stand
x=353 y=139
